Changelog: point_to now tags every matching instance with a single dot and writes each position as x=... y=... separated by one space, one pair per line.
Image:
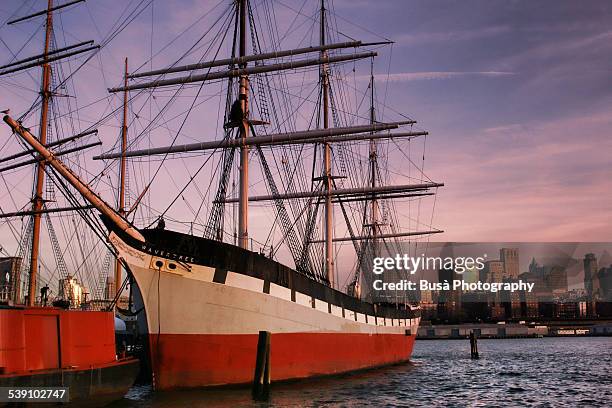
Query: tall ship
x=203 y=295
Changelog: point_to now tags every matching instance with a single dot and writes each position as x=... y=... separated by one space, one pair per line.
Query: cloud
x=515 y=127
x=428 y=75
x=533 y=181
x=434 y=75
x=447 y=36
x=571 y=49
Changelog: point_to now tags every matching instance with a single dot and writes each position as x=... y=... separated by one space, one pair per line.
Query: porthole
x=159 y=264
x=172 y=266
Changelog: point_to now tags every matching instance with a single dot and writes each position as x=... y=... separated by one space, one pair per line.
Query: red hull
x=192 y=360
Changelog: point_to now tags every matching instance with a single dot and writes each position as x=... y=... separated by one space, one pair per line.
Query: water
x=546 y=372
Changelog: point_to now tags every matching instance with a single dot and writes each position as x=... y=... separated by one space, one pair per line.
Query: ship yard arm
x=74 y=180
x=342 y=134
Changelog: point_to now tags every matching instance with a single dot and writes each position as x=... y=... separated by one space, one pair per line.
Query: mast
x=243 y=206
x=121 y=207
x=37 y=200
x=373 y=166
x=329 y=209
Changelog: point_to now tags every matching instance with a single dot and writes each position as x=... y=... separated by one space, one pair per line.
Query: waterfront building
x=571 y=310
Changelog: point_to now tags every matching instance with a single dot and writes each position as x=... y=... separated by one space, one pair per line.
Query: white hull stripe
x=176 y=277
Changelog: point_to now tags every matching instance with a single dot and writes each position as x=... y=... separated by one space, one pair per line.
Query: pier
x=513 y=330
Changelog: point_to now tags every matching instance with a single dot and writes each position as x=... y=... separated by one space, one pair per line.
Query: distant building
x=426 y=296
x=109 y=288
x=428 y=305
x=590 y=274
x=449 y=301
x=510 y=259
x=556 y=279
x=591 y=283
x=575 y=294
x=471 y=275
x=71 y=291
x=604 y=277
x=571 y=310
x=529 y=304
x=475 y=305
x=548 y=280
x=10 y=282
x=533 y=267
x=498 y=311
x=511 y=302
x=493 y=271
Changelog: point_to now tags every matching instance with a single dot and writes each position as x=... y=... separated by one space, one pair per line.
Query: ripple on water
x=533 y=372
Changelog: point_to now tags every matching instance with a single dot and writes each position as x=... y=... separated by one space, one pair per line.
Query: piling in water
x=473 y=346
x=261 y=378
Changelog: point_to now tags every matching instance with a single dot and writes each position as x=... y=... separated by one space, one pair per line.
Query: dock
x=511 y=330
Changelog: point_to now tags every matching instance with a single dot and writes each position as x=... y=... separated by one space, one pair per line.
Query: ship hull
x=203 y=324
x=230 y=359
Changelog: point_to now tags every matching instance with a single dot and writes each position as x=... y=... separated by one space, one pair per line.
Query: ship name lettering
x=172 y=255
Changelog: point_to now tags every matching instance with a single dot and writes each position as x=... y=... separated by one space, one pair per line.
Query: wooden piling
x=473 y=346
x=261 y=377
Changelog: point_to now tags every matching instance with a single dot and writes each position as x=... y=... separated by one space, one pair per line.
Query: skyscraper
x=590 y=274
x=510 y=259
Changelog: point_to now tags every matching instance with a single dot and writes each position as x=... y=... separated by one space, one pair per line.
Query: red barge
x=53 y=347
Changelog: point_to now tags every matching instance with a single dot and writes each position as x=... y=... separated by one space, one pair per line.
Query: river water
x=548 y=372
